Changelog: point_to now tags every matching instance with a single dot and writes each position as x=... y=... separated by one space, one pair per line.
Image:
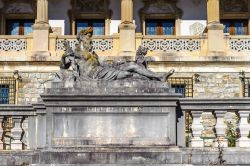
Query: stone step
x=111 y=165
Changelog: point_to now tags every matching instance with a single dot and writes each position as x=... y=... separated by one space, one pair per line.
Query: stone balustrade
x=239 y=43
x=215 y=122
x=100 y=43
x=13 y=43
x=172 y=43
x=14 y=131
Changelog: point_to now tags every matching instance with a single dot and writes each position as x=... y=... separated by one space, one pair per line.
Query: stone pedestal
x=40 y=49
x=216 y=42
x=127 y=39
x=108 y=113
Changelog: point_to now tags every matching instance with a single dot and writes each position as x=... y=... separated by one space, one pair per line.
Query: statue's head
x=142 y=50
x=85 y=32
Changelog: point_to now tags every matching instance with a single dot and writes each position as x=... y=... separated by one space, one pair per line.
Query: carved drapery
x=86 y=9
x=160 y=9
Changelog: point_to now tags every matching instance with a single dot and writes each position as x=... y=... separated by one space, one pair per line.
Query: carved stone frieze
x=19 y=7
x=90 y=6
x=161 y=7
x=234 y=6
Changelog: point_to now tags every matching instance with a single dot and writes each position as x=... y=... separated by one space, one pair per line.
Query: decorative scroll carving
x=13 y=44
x=161 y=7
x=98 y=44
x=172 y=44
x=240 y=44
x=19 y=6
x=234 y=6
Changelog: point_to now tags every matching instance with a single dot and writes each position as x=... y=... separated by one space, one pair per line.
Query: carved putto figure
x=84 y=63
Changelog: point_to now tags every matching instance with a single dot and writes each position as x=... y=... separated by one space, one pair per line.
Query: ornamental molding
x=19 y=7
x=161 y=7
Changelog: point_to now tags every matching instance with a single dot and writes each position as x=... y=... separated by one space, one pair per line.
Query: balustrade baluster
x=16 y=132
x=244 y=127
x=197 y=129
x=220 y=128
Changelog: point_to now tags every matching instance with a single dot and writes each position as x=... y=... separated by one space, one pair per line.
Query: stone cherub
x=88 y=66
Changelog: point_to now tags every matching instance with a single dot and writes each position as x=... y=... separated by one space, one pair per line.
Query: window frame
x=11 y=82
x=90 y=21
x=159 y=28
x=21 y=25
x=187 y=81
x=246 y=87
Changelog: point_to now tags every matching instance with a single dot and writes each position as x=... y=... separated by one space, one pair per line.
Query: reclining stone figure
x=86 y=63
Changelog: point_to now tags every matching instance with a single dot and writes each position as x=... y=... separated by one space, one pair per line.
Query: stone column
x=41 y=31
x=127 y=29
x=197 y=129
x=216 y=43
x=220 y=128
x=244 y=127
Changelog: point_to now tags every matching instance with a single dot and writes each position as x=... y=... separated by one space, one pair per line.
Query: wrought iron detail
x=13 y=44
x=183 y=85
x=98 y=44
x=172 y=44
x=246 y=87
x=7 y=90
x=240 y=44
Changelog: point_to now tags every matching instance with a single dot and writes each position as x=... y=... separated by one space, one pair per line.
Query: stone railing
x=218 y=122
x=100 y=43
x=239 y=43
x=14 y=131
x=13 y=43
x=172 y=44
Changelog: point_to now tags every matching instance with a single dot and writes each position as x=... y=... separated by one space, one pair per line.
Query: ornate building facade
x=206 y=42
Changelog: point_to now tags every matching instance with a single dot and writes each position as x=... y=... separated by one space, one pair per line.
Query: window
x=19 y=27
x=98 y=26
x=183 y=85
x=246 y=87
x=235 y=27
x=7 y=90
x=160 y=27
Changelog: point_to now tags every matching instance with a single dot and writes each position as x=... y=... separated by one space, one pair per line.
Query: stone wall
x=31 y=86
x=208 y=85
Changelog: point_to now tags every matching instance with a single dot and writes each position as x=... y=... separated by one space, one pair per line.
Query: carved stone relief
x=234 y=6
x=197 y=28
x=19 y=6
x=161 y=6
x=90 y=6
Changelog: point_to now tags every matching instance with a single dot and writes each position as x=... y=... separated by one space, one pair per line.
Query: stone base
x=243 y=143
x=197 y=143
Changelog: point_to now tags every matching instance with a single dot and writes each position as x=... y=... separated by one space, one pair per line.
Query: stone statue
x=85 y=64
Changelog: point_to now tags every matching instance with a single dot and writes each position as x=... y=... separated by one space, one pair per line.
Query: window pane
x=27 y=27
x=98 y=28
x=227 y=27
x=4 y=94
x=240 y=28
x=13 y=28
x=168 y=27
x=179 y=89
x=151 y=27
x=81 y=25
